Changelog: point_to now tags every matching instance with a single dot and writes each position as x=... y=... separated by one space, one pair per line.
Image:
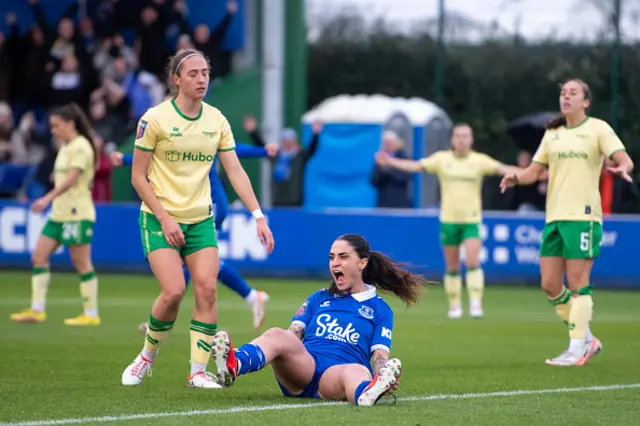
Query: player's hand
x=172 y=232
x=621 y=172
x=265 y=235
x=250 y=124
x=382 y=158
x=316 y=127
x=40 y=205
x=272 y=149
x=232 y=7
x=508 y=181
x=116 y=158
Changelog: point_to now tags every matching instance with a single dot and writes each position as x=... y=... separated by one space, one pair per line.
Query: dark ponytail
x=557 y=122
x=561 y=120
x=384 y=273
x=72 y=112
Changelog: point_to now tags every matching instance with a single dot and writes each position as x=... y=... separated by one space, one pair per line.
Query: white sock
x=576 y=346
x=197 y=368
x=252 y=297
x=91 y=312
x=149 y=356
x=38 y=307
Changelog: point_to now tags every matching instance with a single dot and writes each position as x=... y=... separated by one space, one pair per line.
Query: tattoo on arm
x=379 y=358
x=298 y=330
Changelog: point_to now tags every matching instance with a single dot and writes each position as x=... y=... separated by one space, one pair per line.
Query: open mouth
x=338 y=277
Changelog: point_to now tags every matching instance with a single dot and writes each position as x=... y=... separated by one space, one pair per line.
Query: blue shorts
x=311 y=390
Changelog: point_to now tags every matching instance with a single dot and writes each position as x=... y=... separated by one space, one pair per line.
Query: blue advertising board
x=303 y=239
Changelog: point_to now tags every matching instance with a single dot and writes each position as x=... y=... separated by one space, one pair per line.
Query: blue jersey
x=345 y=329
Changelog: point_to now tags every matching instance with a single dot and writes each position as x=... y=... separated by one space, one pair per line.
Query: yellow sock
x=201 y=339
x=475 y=283
x=562 y=304
x=581 y=311
x=89 y=293
x=40 y=278
x=157 y=331
x=453 y=287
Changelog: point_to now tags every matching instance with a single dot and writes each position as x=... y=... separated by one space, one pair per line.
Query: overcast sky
x=535 y=18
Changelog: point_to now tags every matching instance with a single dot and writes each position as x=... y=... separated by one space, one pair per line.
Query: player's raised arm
x=409 y=166
x=611 y=146
x=532 y=173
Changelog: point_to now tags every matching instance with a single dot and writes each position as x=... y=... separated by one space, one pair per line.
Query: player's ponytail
x=384 y=273
x=390 y=277
x=73 y=112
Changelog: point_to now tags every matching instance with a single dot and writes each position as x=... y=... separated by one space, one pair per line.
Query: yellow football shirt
x=575 y=156
x=183 y=152
x=77 y=202
x=460 y=183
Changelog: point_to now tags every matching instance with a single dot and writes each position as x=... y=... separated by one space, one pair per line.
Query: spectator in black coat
x=392 y=184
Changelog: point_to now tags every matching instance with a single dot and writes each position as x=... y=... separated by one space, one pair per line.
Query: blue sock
x=250 y=358
x=361 y=387
x=232 y=279
x=187 y=275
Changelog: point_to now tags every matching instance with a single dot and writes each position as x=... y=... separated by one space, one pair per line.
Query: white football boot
x=136 y=371
x=475 y=308
x=388 y=376
x=572 y=359
x=205 y=380
x=258 y=309
x=455 y=311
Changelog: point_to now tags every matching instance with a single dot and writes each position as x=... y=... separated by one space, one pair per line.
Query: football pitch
x=455 y=372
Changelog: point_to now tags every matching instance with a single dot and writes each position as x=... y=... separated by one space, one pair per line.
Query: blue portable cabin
x=338 y=174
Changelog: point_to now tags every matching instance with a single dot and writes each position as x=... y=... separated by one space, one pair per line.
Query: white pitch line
x=277 y=407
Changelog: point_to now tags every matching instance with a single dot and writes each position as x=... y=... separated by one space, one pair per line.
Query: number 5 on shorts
x=584 y=241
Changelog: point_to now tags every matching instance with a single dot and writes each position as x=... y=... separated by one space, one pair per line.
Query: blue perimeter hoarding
x=303 y=239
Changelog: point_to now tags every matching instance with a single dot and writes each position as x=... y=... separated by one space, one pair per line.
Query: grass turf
x=51 y=371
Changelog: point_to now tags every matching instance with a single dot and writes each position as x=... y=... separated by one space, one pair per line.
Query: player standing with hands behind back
x=175 y=147
x=573 y=148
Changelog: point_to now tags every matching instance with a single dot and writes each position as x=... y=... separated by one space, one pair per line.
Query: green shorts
x=196 y=235
x=73 y=233
x=571 y=239
x=453 y=234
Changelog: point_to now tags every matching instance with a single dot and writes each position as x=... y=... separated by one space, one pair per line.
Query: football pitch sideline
x=455 y=372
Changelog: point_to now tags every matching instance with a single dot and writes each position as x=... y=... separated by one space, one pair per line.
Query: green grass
x=50 y=371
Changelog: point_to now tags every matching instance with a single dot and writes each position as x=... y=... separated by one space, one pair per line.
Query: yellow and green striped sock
x=89 y=293
x=453 y=287
x=562 y=304
x=40 y=278
x=157 y=331
x=201 y=339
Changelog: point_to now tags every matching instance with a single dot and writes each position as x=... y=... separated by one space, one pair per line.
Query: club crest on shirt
x=141 y=128
x=172 y=156
x=366 y=311
x=302 y=309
